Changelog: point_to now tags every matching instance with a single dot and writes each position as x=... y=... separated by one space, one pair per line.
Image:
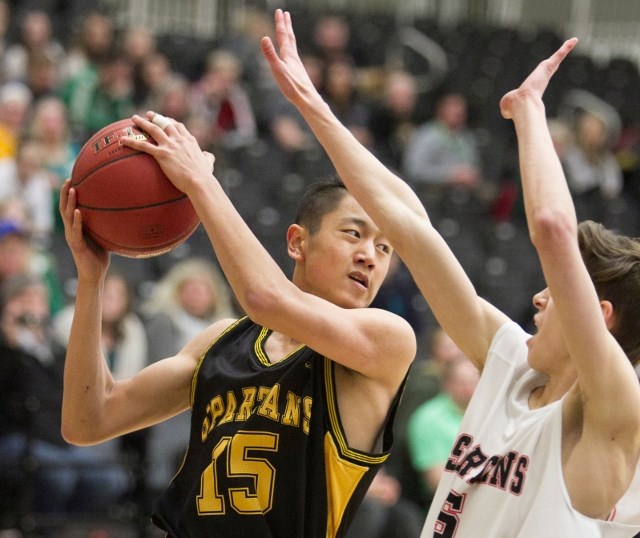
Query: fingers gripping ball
x=128 y=205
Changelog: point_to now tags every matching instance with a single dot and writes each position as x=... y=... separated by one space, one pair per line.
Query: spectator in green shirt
x=99 y=94
x=433 y=427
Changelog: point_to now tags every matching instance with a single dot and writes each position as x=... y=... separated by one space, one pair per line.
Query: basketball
x=128 y=204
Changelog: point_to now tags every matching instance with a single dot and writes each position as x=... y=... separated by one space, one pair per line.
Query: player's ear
x=296 y=235
x=608 y=313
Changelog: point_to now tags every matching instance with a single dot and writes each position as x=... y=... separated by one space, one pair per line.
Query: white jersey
x=504 y=477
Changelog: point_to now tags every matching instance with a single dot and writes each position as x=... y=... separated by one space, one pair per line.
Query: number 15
x=240 y=463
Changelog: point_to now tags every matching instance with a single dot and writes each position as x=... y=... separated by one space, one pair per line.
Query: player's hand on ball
x=91 y=260
x=176 y=150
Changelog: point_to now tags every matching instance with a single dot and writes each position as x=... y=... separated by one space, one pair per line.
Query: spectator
x=593 y=173
x=288 y=130
x=628 y=155
x=433 y=427
x=340 y=91
x=220 y=97
x=393 y=118
x=50 y=130
x=99 y=95
x=173 y=98
x=18 y=255
x=427 y=371
x=385 y=512
x=26 y=178
x=243 y=40
x=69 y=478
x=94 y=38
x=36 y=41
x=43 y=76
x=15 y=103
x=331 y=37
x=157 y=76
x=444 y=150
x=561 y=136
x=191 y=295
x=139 y=44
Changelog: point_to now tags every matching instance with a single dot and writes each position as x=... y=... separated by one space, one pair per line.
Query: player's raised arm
x=372 y=342
x=605 y=402
x=390 y=202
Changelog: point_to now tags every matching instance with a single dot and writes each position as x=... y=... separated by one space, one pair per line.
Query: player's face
x=347 y=259
x=547 y=346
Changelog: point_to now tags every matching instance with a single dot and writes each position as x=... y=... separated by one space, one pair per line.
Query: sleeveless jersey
x=267 y=454
x=504 y=477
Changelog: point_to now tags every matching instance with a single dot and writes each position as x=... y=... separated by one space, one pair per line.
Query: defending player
x=550 y=442
x=292 y=406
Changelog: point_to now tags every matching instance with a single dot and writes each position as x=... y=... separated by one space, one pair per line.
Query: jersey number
x=241 y=462
x=448 y=519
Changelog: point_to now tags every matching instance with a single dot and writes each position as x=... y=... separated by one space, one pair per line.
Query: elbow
x=76 y=436
x=263 y=302
x=70 y=435
x=551 y=227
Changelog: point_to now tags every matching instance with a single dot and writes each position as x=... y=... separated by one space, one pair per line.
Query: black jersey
x=267 y=455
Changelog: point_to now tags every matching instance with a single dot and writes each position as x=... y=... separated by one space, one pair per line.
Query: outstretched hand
x=287 y=68
x=536 y=83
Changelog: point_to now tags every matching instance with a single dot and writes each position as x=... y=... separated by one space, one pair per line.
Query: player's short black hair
x=320 y=198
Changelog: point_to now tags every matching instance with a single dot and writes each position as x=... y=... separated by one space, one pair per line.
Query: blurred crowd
x=58 y=88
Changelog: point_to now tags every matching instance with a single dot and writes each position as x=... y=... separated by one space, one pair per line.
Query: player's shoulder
x=389 y=333
x=223 y=326
x=208 y=336
x=387 y=319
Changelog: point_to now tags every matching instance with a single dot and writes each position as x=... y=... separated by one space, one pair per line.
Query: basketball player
x=292 y=407
x=549 y=444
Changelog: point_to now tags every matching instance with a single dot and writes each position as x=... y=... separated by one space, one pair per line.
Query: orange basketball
x=128 y=205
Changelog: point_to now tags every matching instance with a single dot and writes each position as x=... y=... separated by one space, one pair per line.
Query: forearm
x=254 y=276
x=545 y=190
x=87 y=380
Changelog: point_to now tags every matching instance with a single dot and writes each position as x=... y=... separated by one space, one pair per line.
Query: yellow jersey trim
x=336 y=426
x=258 y=347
